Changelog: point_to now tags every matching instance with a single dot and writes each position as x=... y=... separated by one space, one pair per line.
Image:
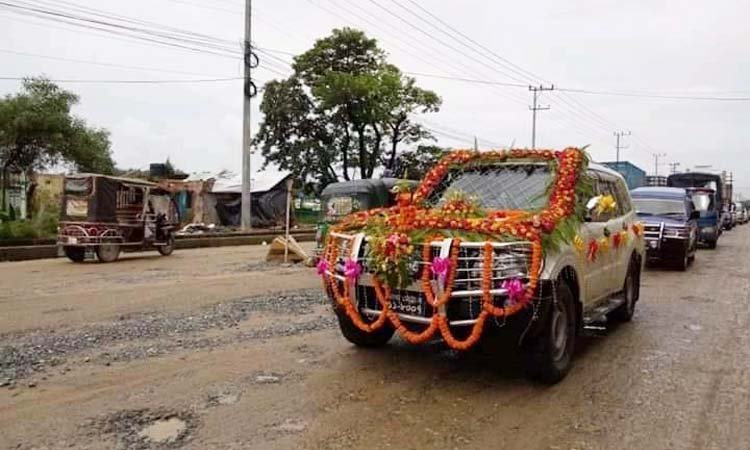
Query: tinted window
x=508 y=186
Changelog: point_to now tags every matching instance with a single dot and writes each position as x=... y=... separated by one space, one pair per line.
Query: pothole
x=149 y=429
x=164 y=431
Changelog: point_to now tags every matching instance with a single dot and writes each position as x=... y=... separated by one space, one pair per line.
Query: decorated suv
x=538 y=244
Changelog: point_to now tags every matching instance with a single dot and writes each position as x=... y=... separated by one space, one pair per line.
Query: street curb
x=31 y=252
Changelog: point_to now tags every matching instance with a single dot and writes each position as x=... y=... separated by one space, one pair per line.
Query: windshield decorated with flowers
x=513 y=186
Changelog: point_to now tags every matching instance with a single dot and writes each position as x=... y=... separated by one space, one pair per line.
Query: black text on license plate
x=407 y=303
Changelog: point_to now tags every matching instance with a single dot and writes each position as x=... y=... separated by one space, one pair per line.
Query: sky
x=688 y=48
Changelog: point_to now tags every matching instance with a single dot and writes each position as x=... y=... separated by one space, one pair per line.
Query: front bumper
x=666 y=248
x=462 y=313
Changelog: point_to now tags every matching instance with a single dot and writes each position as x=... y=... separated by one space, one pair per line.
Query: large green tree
x=38 y=130
x=343 y=112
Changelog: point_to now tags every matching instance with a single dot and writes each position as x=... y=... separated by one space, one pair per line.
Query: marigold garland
x=457 y=215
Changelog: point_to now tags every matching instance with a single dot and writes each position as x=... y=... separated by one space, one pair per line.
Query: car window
x=604 y=187
x=623 y=198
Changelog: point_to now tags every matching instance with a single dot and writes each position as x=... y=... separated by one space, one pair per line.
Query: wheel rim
x=559 y=330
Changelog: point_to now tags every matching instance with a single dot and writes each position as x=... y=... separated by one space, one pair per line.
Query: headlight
x=677 y=232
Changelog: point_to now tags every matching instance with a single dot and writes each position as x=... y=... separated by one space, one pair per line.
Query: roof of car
x=659 y=192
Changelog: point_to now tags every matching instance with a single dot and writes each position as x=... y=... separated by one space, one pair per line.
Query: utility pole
x=249 y=90
x=656 y=162
x=619 y=135
x=673 y=167
x=535 y=108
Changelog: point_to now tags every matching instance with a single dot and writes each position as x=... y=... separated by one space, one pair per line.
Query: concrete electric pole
x=249 y=90
x=656 y=162
x=619 y=135
x=535 y=108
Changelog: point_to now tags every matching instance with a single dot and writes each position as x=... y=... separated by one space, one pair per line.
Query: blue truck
x=707 y=191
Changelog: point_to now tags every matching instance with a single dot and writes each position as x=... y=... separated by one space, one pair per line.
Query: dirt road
x=212 y=348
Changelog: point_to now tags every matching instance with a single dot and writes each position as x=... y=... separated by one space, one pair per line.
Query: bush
x=42 y=226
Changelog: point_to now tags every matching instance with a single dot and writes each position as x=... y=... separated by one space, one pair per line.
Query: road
x=212 y=348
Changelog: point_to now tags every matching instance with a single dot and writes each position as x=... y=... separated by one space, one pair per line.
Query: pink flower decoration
x=440 y=267
x=323 y=267
x=352 y=269
x=394 y=239
x=515 y=290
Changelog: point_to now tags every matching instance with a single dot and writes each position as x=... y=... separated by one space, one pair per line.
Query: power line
x=104 y=81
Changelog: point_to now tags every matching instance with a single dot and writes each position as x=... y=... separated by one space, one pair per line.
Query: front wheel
x=547 y=357
x=377 y=338
x=108 y=252
x=167 y=248
x=75 y=254
x=684 y=261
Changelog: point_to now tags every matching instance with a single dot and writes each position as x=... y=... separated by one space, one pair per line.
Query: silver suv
x=537 y=245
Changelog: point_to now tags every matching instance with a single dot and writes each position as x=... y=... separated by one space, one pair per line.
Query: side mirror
x=593 y=202
x=695 y=215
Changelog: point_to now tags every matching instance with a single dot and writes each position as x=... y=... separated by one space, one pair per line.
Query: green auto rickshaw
x=338 y=200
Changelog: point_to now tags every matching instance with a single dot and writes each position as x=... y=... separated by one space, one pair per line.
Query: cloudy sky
x=641 y=48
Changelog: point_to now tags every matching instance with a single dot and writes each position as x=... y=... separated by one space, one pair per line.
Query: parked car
x=531 y=244
x=742 y=215
x=671 y=224
x=113 y=214
x=709 y=223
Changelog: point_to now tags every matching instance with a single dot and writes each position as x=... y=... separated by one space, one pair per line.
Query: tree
x=412 y=165
x=340 y=109
x=37 y=130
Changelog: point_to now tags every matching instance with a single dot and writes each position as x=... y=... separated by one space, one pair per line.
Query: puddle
x=164 y=431
x=147 y=429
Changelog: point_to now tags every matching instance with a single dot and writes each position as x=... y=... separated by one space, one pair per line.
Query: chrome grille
x=510 y=260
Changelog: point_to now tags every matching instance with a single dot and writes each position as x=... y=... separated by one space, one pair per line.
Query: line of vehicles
x=693 y=209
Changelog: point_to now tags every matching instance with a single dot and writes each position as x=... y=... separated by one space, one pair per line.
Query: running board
x=595 y=321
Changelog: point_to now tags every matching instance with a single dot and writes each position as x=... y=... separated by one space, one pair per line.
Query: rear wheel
x=75 y=254
x=377 y=338
x=168 y=248
x=712 y=244
x=547 y=357
x=108 y=252
x=624 y=312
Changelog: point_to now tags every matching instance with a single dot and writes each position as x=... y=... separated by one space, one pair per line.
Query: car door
x=593 y=231
x=612 y=224
x=622 y=221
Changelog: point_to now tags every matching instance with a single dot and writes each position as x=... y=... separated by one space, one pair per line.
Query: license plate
x=72 y=240
x=407 y=303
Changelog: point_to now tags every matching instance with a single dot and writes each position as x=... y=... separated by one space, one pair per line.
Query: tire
x=624 y=312
x=683 y=263
x=712 y=244
x=547 y=357
x=167 y=249
x=377 y=338
x=108 y=253
x=75 y=254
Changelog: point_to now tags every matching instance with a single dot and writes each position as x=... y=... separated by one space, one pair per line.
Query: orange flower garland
x=410 y=216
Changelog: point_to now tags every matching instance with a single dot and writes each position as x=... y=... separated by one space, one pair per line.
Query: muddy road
x=214 y=349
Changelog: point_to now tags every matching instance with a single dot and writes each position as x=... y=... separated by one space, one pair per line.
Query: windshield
x=508 y=186
x=659 y=207
x=339 y=206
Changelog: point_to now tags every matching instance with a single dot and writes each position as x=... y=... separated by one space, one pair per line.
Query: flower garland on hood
x=394 y=232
